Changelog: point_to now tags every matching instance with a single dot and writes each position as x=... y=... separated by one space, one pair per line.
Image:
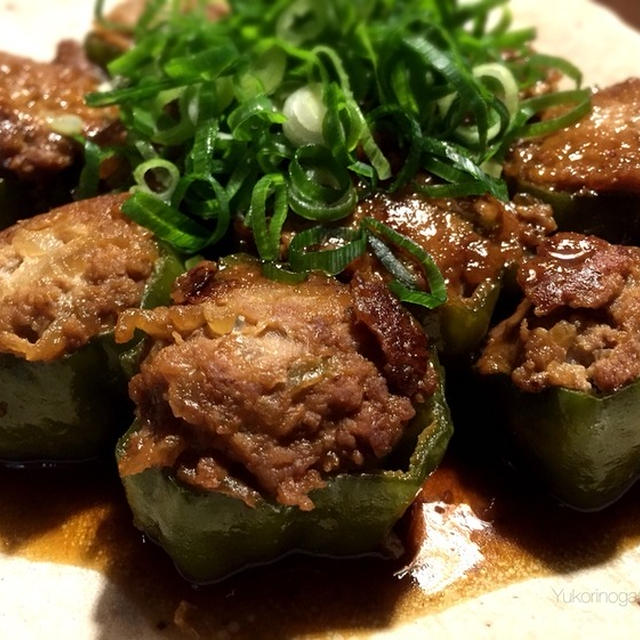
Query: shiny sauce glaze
x=470 y=239
x=598 y=153
x=474 y=529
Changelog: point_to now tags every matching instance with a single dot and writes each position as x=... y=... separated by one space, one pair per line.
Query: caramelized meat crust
x=600 y=153
x=34 y=98
x=65 y=276
x=579 y=324
x=579 y=272
x=470 y=239
x=404 y=350
x=260 y=386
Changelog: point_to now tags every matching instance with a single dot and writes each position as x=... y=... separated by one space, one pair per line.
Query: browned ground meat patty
x=65 y=276
x=600 y=153
x=579 y=325
x=470 y=239
x=255 y=385
x=32 y=96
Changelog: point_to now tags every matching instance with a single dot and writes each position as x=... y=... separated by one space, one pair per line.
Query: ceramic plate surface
x=47 y=591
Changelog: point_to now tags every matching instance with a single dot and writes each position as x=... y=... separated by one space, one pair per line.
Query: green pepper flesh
x=60 y=410
x=585 y=448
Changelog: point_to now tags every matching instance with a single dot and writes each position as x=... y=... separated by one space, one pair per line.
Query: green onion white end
x=305 y=112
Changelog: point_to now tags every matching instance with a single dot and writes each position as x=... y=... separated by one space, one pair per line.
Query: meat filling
x=39 y=104
x=470 y=239
x=600 y=153
x=255 y=386
x=579 y=325
x=65 y=276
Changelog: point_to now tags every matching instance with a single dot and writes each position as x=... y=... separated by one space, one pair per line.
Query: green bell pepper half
x=73 y=408
x=210 y=535
x=62 y=410
x=584 y=448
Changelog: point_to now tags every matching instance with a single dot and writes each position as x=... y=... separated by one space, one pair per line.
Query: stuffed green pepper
x=473 y=241
x=565 y=369
x=274 y=417
x=589 y=172
x=64 y=278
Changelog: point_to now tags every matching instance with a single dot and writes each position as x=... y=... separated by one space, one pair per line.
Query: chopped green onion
x=200 y=158
x=507 y=85
x=90 y=175
x=305 y=113
x=580 y=97
x=211 y=202
x=402 y=286
x=459 y=162
x=407 y=125
x=270 y=69
x=267 y=233
x=205 y=65
x=165 y=176
x=348 y=244
x=459 y=76
x=302 y=107
x=320 y=190
x=166 y=222
x=253 y=118
x=543 y=61
x=98 y=16
x=300 y=22
x=457 y=190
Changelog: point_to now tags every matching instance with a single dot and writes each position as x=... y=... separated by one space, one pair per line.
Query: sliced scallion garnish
x=158 y=177
x=90 y=175
x=166 y=222
x=279 y=273
x=339 y=248
x=266 y=233
x=403 y=285
x=299 y=108
x=581 y=98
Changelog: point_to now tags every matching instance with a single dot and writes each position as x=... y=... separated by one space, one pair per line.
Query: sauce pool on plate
x=477 y=529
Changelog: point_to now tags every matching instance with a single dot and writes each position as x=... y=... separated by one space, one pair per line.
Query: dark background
x=628 y=9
